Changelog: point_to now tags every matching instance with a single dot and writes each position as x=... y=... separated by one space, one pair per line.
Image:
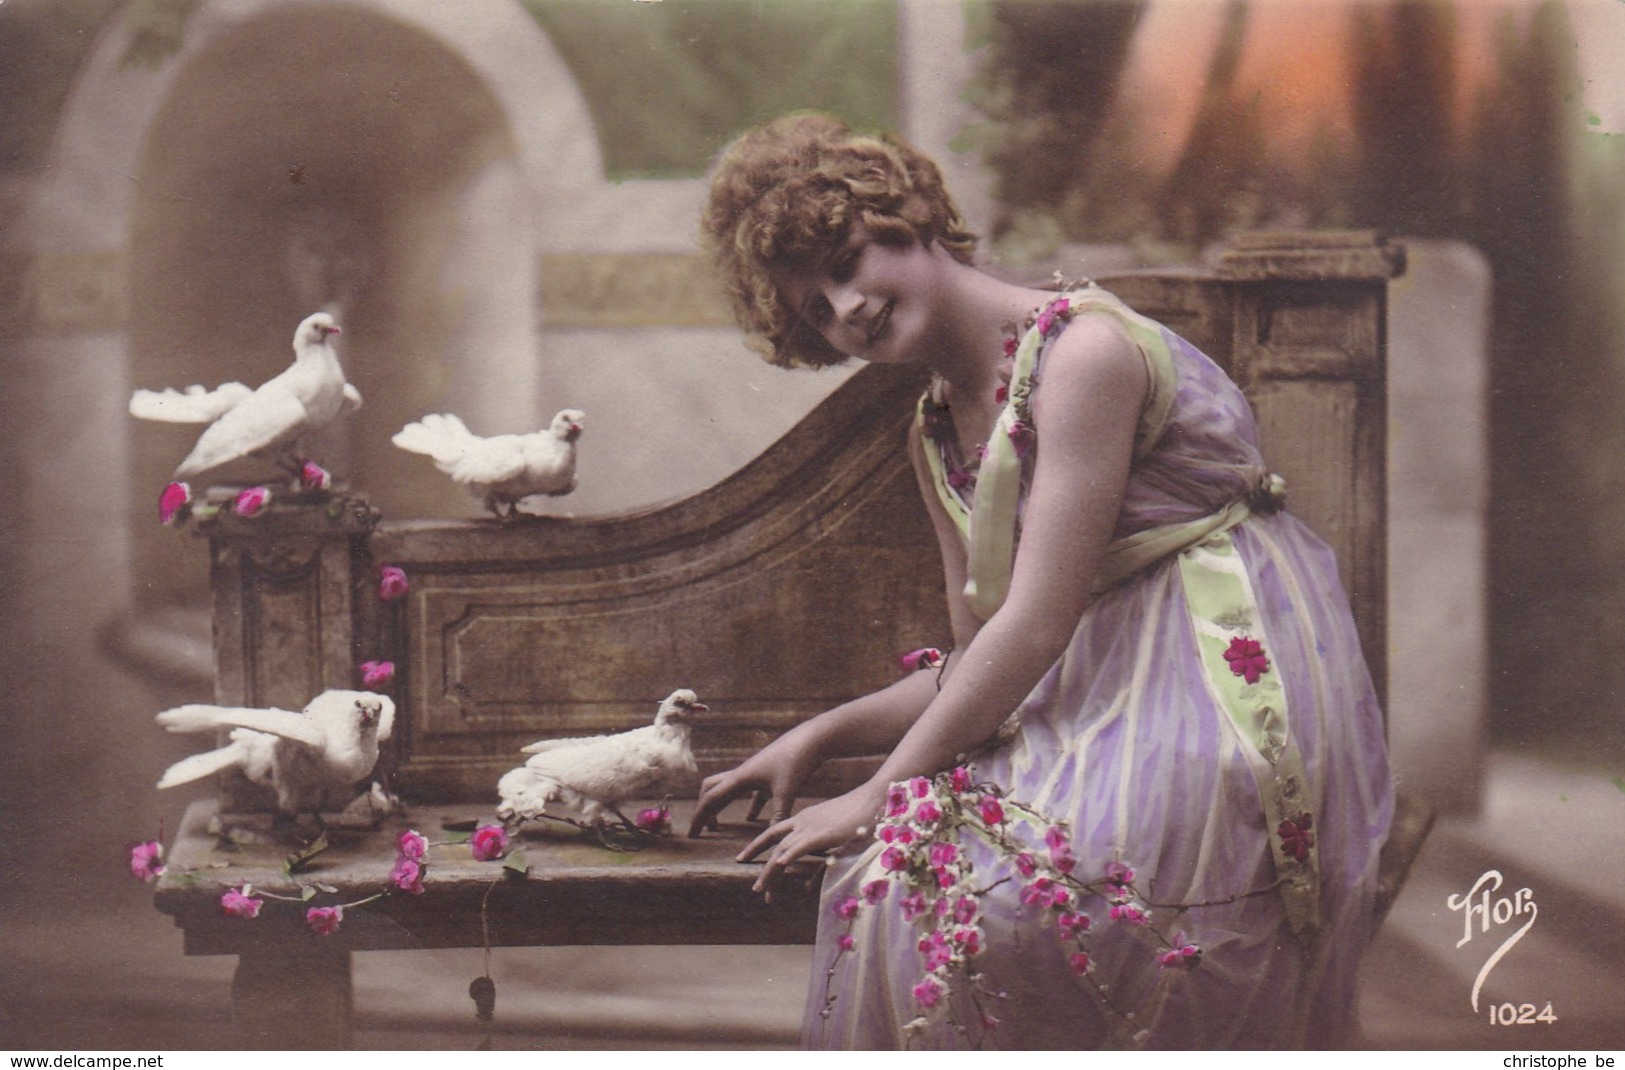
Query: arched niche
x=277 y=179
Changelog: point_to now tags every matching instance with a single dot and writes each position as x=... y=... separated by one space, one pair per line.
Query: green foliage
x=670 y=83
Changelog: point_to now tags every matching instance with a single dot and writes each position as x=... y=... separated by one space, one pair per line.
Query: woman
x=1147 y=653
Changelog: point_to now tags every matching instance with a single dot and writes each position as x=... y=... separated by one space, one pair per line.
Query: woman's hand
x=824 y=827
x=776 y=772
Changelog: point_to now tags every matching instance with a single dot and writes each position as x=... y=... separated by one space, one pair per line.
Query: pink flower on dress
x=1057 y=311
x=237 y=903
x=928 y=813
x=896 y=800
x=1296 y=837
x=894 y=859
x=147 y=860
x=488 y=843
x=407 y=875
x=313 y=476
x=991 y=809
x=413 y=845
x=655 y=819
x=1079 y=962
x=876 y=890
x=251 y=501
x=965 y=910
x=845 y=943
x=897 y=833
x=928 y=993
x=1060 y=898
x=1119 y=877
x=175 y=503
x=945 y=877
x=391 y=583
x=1022 y=436
x=958 y=478
x=324 y=921
x=376 y=674
x=1011 y=344
x=969 y=940
x=960 y=779
x=919 y=787
x=927 y=657
x=1246 y=658
x=846 y=907
x=1001 y=393
x=1026 y=864
x=943 y=854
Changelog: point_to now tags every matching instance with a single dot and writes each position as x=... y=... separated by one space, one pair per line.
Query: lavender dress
x=1134 y=740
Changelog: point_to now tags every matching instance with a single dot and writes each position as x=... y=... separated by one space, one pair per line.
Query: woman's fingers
x=757 y=802
x=767 y=838
x=716 y=791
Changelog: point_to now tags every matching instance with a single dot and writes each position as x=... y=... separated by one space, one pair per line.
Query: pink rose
x=894 y=859
x=376 y=674
x=896 y=833
x=1026 y=864
x=928 y=657
x=324 y=921
x=960 y=779
x=928 y=812
x=928 y=992
x=964 y=910
x=991 y=809
x=251 y=501
x=876 y=890
x=1055 y=837
x=489 y=841
x=313 y=476
x=943 y=854
x=969 y=940
x=655 y=819
x=412 y=845
x=391 y=583
x=175 y=503
x=1063 y=859
x=919 y=787
x=844 y=943
x=846 y=907
x=896 y=801
x=945 y=877
x=1079 y=961
x=407 y=875
x=236 y=903
x=146 y=860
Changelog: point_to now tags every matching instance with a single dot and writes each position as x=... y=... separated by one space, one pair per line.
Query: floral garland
x=936 y=888
x=937 y=420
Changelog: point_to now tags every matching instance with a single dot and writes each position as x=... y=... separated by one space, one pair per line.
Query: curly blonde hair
x=784 y=196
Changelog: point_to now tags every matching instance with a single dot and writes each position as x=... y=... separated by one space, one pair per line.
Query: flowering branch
x=922 y=830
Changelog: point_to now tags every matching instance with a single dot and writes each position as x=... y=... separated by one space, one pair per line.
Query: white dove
x=307 y=396
x=502 y=469
x=594 y=774
x=312 y=759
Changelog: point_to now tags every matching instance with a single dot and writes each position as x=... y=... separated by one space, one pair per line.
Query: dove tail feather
x=435 y=435
x=198 y=766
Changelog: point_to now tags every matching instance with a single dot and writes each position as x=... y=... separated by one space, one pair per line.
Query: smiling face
x=872 y=299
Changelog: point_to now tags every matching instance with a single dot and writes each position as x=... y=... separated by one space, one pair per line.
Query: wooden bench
x=788 y=588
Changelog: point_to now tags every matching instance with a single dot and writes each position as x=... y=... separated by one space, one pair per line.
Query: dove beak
x=698 y=707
